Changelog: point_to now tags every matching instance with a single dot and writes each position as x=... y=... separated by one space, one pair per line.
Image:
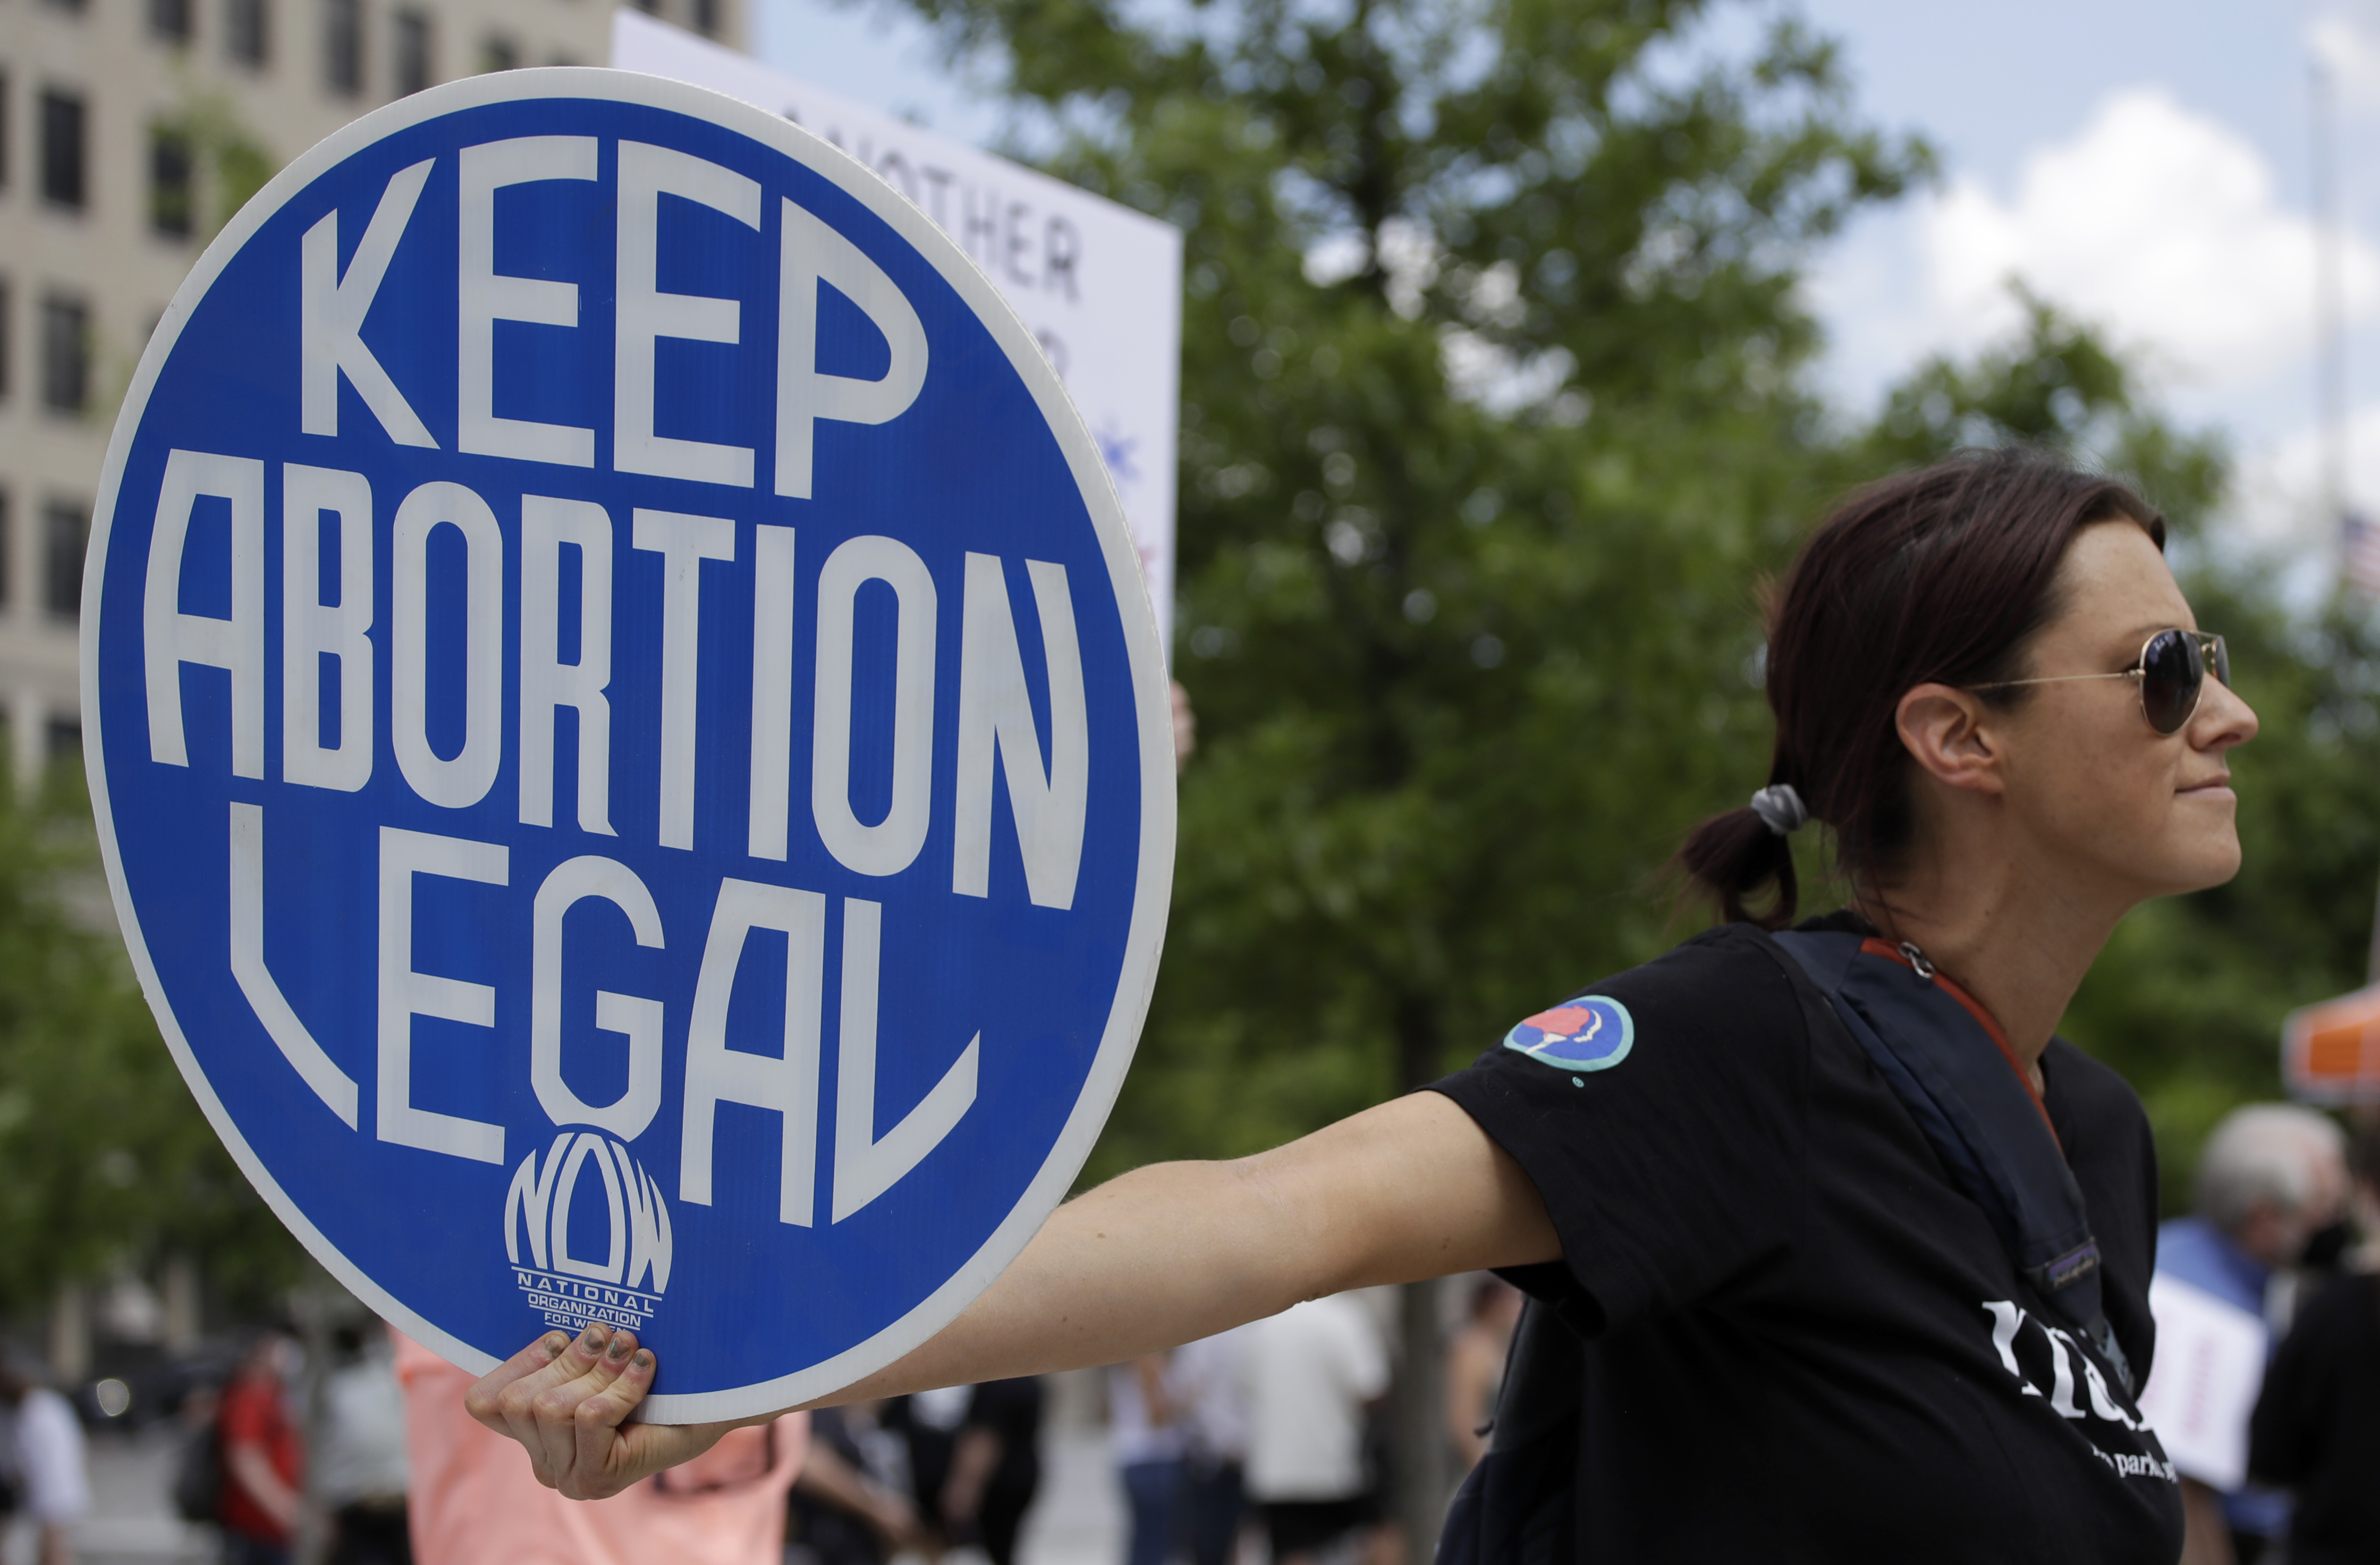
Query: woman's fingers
x=568 y=1401
x=503 y=1399
x=484 y=1399
x=607 y=1458
x=562 y=1413
x=534 y=1395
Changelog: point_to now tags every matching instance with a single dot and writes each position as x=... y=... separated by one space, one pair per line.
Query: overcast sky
x=2143 y=163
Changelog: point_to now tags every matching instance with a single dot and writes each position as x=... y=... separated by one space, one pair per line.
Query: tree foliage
x=110 y=1163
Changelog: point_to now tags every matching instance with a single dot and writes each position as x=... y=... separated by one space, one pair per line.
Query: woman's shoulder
x=1725 y=966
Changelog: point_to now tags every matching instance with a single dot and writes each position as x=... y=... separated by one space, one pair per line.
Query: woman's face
x=2096 y=786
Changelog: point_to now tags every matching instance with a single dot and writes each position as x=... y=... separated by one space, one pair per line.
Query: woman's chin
x=2206 y=866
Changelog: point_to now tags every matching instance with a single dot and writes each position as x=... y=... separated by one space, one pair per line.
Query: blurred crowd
x=1269 y=1441
x=2266 y=1390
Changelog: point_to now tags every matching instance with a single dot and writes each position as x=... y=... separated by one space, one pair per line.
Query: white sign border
x=1145 y=937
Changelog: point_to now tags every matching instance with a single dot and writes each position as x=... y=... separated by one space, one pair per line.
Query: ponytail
x=1733 y=856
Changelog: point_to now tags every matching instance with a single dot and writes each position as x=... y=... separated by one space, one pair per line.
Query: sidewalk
x=131 y=1520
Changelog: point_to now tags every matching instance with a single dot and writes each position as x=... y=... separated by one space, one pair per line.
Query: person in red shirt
x=262 y=1458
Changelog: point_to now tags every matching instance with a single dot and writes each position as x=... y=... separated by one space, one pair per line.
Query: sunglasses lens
x=2171 y=672
x=2222 y=663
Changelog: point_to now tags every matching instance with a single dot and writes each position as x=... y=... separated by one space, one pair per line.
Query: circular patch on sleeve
x=1590 y=1034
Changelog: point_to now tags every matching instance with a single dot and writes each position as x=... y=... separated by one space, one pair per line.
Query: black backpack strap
x=1515 y=1507
x=1988 y=1130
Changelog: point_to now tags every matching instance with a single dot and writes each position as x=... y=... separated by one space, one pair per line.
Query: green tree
x=110 y=1163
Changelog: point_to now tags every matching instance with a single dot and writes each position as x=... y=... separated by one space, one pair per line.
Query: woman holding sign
x=1855 y=1251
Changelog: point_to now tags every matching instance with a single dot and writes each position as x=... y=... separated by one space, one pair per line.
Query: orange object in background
x=2330 y=1052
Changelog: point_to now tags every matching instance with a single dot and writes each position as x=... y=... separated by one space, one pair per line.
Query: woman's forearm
x=1408 y=1190
x=1175 y=1252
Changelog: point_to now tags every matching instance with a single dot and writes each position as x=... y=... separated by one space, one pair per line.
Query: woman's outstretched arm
x=1161 y=1255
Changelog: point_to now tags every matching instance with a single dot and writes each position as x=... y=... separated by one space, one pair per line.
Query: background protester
x=973 y=1461
x=473 y=1504
x=2317 y=1425
x=2272 y=1176
x=842 y=1511
x=263 y=1457
x=1475 y=1366
x=1208 y=1380
x=41 y=1458
x=1310 y=1375
x=1145 y=1442
x=360 y=1471
x=995 y=1467
x=928 y=1425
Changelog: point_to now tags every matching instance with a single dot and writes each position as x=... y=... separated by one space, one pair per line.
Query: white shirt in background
x=363 y=1454
x=1132 y=1437
x=48 y=1439
x=1307 y=1373
x=1214 y=1403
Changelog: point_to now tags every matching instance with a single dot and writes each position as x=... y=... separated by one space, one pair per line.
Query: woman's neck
x=2022 y=955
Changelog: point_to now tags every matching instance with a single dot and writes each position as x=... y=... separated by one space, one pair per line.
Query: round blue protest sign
x=631 y=747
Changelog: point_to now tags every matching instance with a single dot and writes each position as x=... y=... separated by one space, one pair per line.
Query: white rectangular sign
x=2210 y=1364
x=1099 y=284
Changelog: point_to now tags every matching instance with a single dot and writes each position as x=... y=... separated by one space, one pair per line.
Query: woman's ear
x=1946 y=731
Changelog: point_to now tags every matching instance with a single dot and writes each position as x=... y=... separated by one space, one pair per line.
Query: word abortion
x=995 y=712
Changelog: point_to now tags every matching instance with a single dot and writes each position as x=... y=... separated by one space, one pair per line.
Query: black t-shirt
x=2317 y=1425
x=1805 y=1344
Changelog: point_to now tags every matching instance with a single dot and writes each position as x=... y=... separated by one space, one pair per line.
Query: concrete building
x=129 y=129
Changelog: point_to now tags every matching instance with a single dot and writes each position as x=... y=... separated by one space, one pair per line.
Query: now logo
x=540 y=1201
x=624 y=1287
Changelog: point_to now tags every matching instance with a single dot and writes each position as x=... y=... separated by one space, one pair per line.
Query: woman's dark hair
x=1940 y=576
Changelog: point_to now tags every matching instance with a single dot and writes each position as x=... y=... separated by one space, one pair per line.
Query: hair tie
x=1780 y=808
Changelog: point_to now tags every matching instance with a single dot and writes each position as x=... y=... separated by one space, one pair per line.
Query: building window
x=62 y=152
x=7 y=338
x=170 y=20
x=66 y=528
x=343 y=46
x=170 y=187
x=65 y=354
x=412 y=53
x=247 y=30
x=7 y=119
x=706 y=18
x=499 y=52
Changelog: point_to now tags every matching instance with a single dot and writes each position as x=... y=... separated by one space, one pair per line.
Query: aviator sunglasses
x=2173 y=672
